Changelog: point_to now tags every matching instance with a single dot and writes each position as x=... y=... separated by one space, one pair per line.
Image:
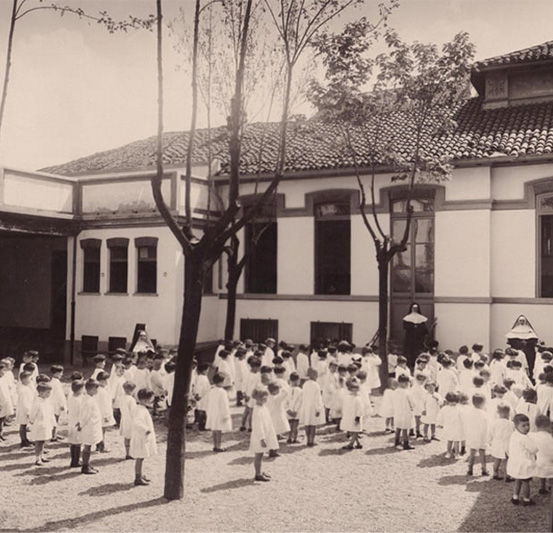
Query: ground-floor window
x=322 y=331
x=258 y=329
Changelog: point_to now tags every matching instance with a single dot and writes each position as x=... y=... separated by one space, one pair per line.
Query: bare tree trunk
x=8 y=64
x=232 y=286
x=176 y=433
x=383 y=270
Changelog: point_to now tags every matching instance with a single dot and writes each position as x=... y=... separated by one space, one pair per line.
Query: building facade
x=86 y=256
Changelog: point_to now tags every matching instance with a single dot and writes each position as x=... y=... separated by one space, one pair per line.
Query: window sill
x=116 y=293
x=145 y=294
x=89 y=293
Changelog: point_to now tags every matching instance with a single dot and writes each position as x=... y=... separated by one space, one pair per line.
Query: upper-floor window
x=91 y=264
x=261 y=248
x=118 y=264
x=333 y=245
x=545 y=245
x=146 y=268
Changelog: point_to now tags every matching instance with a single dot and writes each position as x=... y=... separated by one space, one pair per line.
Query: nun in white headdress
x=414 y=324
x=522 y=337
x=143 y=343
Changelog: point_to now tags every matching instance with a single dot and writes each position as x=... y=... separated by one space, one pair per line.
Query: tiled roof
x=540 y=52
x=523 y=130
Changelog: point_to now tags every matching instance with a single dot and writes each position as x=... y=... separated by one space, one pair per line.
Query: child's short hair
x=420 y=377
x=99 y=358
x=312 y=373
x=218 y=378
x=498 y=354
x=29 y=367
x=520 y=418
x=548 y=369
x=547 y=356
x=25 y=375
x=468 y=363
x=127 y=361
x=504 y=410
x=515 y=364
x=54 y=369
x=429 y=383
x=322 y=354
x=43 y=387
x=476 y=347
x=446 y=362
x=543 y=422
x=265 y=369
x=77 y=385
x=91 y=384
x=485 y=372
x=277 y=360
x=478 y=400
x=253 y=361
x=530 y=395
x=273 y=387
x=463 y=350
x=361 y=375
x=145 y=395
x=43 y=378
x=102 y=376
x=462 y=398
x=401 y=360
x=170 y=367
x=279 y=370
x=352 y=384
x=508 y=382
x=129 y=386
x=203 y=367
x=259 y=392
x=499 y=389
x=451 y=397
x=403 y=379
x=352 y=368
x=294 y=376
x=223 y=354
x=77 y=376
x=479 y=364
x=477 y=381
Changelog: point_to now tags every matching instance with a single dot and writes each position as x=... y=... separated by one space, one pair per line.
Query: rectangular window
x=261 y=268
x=332 y=256
x=146 y=276
x=546 y=262
x=321 y=331
x=118 y=264
x=91 y=264
x=258 y=329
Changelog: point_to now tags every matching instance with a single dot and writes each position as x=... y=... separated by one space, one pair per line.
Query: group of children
x=475 y=403
x=37 y=403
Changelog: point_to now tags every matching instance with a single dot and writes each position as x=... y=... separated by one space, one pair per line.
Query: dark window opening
x=261 y=267
x=146 y=276
x=322 y=331
x=333 y=257
x=118 y=269
x=91 y=270
x=258 y=329
x=546 y=263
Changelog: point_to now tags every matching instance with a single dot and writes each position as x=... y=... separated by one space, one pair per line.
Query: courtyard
x=323 y=488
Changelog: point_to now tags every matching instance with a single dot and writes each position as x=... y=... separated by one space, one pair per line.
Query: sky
x=76 y=89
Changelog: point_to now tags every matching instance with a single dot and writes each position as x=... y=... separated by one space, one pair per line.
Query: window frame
x=541 y=213
x=86 y=245
x=118 y=242
x=149 y=243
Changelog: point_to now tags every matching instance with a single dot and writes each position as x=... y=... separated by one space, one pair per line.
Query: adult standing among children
x=523 y=337
x=414 y=324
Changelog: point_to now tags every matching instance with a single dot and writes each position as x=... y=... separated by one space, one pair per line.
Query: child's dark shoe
x=485 y=473
x=88 y=470
x=407 y=446
x=262 y=477
x=347 y=447
x=509 y=479
x=140 y=481
x=358 y=446
x=218 y=450
x=242 y=428
x=274 y=453
x=146 y=479
x=515 y=501
x=435 y=438
x=527 y=503
x=498 y=478
x=469 y=472
x=543 y=491
x=127 y=457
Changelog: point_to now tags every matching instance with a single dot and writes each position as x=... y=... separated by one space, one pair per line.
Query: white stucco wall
x=469 y=184
x=462 y=323
x=462 y=248
x=514 y=253
x=508 y=182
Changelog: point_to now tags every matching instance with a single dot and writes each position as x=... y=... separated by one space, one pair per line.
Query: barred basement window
x=91 y=264
x=118 y=264
x=146 y=274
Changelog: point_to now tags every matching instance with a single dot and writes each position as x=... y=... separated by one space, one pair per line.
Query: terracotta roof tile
x=540 y=52
x=313 y=145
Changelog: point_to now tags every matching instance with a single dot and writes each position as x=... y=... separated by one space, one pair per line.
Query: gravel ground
x=324 y=488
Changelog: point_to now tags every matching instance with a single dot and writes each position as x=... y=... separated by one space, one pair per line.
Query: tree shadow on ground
x=383 y=451
x=454 y=480
x=40 y=471
x=291 y=448
x=103 y=461
x=72 y=523
x=7 y=452
x=18 y=466
x=337 y=437
x=240 y=445
x=228 y=485
x=108 y=488
x=244 y=460
x=333 y=451
x=45 y=479
x=198 y=454
x=435 y=460
x=493 y=511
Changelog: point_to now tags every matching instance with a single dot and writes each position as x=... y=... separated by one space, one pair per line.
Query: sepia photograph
x=276 y=266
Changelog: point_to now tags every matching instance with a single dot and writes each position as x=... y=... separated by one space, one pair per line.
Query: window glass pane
x=546 y=256
x=146 y=277
x=331 y=209
x=424 y=229
x=118 y=252
x=419 y=205
x=118 y=276
x=398 y=229
x=333 y=257
x=261 y=269
x=401 y=271
x=424 y=271
x=91 y=277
